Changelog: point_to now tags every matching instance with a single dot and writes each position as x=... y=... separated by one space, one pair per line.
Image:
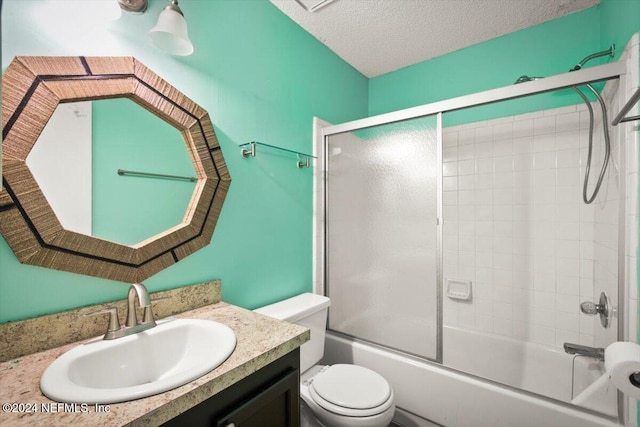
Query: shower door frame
x=323 y=130
x=321 y=288
x=594 y=74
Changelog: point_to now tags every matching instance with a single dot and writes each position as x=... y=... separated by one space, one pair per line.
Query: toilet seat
x=351 y=390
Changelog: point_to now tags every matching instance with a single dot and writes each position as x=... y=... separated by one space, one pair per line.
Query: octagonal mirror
x=186 y=192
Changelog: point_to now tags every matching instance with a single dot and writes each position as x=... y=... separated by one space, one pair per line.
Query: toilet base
x=315 y=416
x=307 y=418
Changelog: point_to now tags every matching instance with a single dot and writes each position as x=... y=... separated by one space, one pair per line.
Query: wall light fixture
x=170 y=33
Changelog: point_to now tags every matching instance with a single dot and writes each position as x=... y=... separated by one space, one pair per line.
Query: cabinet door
x=278 y=383
x=276 y=406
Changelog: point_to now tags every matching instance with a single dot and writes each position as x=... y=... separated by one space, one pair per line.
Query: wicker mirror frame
x=32 y=88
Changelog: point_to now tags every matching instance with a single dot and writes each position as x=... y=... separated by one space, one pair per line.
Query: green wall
x=261 y=77
x=619 y=20
x=550 y=48
x=124 y=207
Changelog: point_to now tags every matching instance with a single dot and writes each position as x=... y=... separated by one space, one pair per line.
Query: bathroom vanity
x=258 y=381
x=266 y=398
x=257 y=385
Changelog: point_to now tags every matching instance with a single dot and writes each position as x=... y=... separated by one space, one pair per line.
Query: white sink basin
x=175 y=352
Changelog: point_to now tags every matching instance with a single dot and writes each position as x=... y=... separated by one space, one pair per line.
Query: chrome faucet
x=137 y=291
x=583 y=350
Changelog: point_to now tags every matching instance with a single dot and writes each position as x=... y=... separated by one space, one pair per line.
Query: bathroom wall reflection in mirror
x=87 y=197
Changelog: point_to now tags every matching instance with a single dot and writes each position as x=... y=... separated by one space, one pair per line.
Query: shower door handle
x=602 y=308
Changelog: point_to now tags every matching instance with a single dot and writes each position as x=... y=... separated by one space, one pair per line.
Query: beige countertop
x=260 y=341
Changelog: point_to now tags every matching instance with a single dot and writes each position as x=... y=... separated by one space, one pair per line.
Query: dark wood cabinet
x=277 y=406
x=270 y=397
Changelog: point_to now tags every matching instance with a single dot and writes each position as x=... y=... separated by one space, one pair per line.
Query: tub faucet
x=137 y=292
x=583 y=350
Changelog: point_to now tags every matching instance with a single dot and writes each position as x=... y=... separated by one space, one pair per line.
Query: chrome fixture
x=136 y=6
x=523 y=79
x=602 y=308
x=607 y=143
x=123 y=172
x=620 y=117
x=137 y=292
x=605 y=123
x=170 y=33
x=313 y=5
x=305 y=164
x=251 y=152
x=605 y=126
x=304 y=160
x=583 y=350
x=609 y=52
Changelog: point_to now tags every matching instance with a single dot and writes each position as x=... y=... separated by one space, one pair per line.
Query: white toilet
x=340 y=395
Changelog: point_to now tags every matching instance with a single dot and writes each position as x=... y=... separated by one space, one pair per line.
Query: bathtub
x=441 y=395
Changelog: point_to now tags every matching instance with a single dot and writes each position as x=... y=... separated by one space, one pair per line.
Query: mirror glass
x=77 y=157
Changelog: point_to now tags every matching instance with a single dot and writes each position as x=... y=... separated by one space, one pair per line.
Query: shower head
x=609 y=52
x=523 y=79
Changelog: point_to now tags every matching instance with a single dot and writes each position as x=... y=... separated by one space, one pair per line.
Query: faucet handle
x=147 y=315
x=114 y=322
x=591 y=308
x=601 y=308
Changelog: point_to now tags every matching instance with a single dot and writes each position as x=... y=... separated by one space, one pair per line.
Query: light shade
x=170 y=33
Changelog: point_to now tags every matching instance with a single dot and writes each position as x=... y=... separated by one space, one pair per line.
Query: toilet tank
x=309 y=310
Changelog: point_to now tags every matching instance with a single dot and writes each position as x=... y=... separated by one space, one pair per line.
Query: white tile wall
x=515 y=225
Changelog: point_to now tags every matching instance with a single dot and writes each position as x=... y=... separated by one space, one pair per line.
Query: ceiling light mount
x=174 y=6
x=137 y=6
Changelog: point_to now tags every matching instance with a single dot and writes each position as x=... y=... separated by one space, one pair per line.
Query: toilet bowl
x=341 y=395
x=347 y=395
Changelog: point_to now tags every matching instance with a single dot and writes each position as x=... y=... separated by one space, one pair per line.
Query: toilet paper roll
x=622 y=364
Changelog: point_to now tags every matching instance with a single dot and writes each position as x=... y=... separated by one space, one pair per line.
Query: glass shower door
x=382 y=210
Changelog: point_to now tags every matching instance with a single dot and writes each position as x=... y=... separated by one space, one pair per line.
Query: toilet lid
x=350 y=387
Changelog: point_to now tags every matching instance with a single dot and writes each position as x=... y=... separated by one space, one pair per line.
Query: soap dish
x=459 y=289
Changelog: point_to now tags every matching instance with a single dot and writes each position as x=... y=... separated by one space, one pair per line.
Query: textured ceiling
x=380 y=36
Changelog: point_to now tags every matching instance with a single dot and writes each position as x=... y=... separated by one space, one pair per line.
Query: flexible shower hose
x=607 y=143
